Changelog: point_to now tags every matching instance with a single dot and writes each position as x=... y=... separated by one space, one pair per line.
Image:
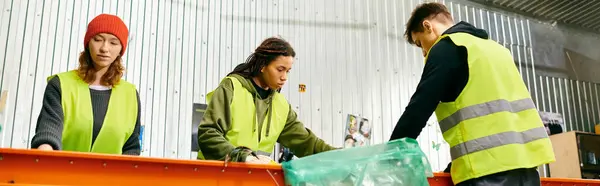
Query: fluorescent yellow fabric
x=118 y=124
x=493 y=125
x=243 y=130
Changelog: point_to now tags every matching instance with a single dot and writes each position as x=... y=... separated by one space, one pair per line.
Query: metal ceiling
x=578 y=13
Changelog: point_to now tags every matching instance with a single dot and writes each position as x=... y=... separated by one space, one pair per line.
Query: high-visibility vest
x=119 y=122
x=493 y=125
x=244 y=122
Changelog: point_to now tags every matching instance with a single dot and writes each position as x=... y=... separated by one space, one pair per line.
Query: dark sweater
x=444 y=77
x=50 y=122
x=261 y=92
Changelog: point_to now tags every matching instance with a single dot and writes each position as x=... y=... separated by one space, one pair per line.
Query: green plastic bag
x=400 y=163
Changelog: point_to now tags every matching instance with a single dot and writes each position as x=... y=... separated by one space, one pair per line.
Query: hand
x=259 y=159
x=45 y=147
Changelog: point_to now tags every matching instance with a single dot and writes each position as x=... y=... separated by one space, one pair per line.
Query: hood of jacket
x=248 y=85
x=469 y=29
x=263 y=106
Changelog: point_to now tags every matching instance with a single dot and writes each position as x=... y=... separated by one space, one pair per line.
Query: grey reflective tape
x=484 y=109
x=497 y=140
x=262 y=153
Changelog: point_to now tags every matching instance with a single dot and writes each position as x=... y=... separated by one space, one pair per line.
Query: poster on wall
x=197 y=115
x=553 y=122
x=357 y=132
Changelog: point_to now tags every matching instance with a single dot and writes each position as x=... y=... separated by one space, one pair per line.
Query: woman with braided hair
x=247 y=116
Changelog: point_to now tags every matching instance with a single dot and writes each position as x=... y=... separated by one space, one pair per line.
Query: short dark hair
x=424 y=12
x=263 y=55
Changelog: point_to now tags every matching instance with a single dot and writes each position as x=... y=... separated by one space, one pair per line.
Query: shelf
x=591 y=168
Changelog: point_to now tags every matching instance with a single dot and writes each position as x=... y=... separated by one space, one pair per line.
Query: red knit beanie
x=110 y=24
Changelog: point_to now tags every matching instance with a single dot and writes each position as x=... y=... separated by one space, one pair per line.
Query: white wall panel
x=351 y=55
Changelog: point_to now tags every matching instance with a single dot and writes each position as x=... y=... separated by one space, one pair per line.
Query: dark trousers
x=517 y=177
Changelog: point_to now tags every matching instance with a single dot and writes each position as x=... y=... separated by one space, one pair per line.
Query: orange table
x=69 y=168
x=19 y=167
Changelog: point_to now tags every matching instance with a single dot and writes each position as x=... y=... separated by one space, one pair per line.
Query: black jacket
x=444 y=76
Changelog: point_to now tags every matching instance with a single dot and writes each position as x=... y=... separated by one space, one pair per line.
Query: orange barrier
x=19 y=167
x=29 y=167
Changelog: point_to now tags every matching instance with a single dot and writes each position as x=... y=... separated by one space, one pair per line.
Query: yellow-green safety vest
x=242 y=131
x=118 y=124
x=493 y=125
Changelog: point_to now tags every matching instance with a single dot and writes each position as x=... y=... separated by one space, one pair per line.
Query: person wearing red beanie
x=91 y=109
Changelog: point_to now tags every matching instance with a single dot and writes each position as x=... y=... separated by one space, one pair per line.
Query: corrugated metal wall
x=577 y=101
x=351 y=56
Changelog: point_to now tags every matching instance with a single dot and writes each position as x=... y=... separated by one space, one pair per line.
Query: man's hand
x=45 y=147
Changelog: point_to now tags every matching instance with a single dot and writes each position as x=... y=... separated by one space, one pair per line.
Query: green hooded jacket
x=217 y=119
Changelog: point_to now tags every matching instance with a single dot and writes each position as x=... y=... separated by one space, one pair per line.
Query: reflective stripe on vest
x=484 y=109
x=497 y=140
x=119 y=121
x=242 y=131
x=493 y=125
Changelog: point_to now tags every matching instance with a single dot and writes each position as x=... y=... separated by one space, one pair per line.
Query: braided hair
x=263 y=55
